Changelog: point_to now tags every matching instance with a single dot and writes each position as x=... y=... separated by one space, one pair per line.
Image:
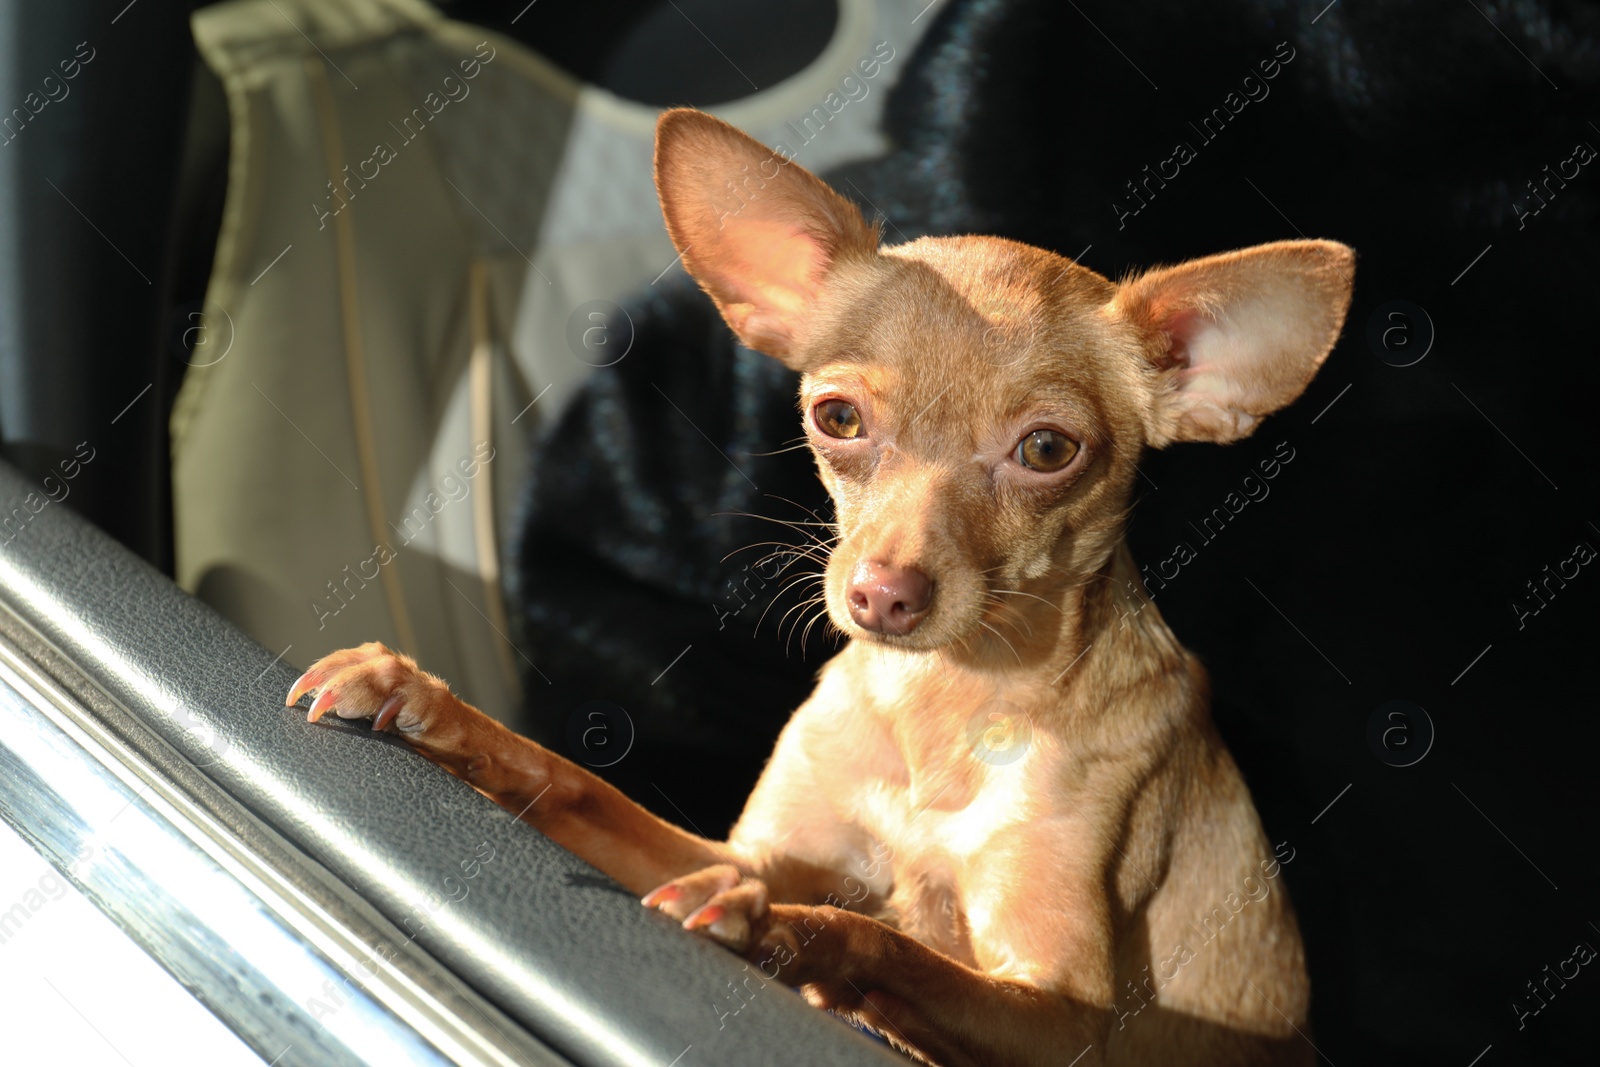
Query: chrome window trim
x=163 y=889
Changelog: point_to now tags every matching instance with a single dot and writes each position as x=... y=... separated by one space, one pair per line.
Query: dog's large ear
x=1237 y=336
x=758 y=232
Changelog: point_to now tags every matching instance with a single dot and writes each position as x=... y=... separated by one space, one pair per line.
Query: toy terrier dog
x=1003 y=829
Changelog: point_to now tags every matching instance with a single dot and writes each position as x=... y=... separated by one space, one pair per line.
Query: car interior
x=472 y=939
x=334 y=321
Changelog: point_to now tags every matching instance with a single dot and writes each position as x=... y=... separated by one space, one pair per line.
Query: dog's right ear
x=1239 y=335
x=758 y=232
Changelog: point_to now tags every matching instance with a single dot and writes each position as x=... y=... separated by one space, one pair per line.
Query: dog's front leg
x=579 y=811
x=918 y=998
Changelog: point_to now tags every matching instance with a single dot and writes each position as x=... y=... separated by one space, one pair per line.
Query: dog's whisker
x=1019 y=623
x=802 y=605
x=809 y=576
x=1006 y=641
x=806 y=636
x=802 y=507
x=800 y=580
x=772 y=518
x=792 y=555
x=1010 y=614
x=1019 y=592
x=789 y=446
x=813 y=543
x=784 y=548
x=798 y=526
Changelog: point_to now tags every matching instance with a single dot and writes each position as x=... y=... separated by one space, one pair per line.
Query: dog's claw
x=302 y=685
x=321 y=705
x=662 y=894
x=703 y=917
x=389 y=711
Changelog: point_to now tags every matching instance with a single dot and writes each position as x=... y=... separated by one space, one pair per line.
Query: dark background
x=1383 y=566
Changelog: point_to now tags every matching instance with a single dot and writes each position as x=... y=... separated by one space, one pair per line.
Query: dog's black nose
x=885 y=598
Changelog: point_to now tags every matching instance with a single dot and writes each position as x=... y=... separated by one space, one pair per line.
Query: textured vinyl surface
x=554 y=943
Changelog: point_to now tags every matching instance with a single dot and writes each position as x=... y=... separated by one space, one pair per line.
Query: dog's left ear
x=759 y=233
x=1237 y=336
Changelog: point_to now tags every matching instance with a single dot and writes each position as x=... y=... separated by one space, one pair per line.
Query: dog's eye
x=837 y=418
x=1046 y=450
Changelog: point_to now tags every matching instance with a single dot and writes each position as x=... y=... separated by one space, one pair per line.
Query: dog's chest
x=945 y=804
x=935 y=855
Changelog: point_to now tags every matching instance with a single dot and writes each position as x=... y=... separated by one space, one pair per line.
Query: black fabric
x=643 y=543
x=708 y=51
x=558 y=946
x=1396 y=547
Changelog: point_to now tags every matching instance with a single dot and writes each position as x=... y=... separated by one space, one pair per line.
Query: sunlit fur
x=1078 y=866
x=989 y=837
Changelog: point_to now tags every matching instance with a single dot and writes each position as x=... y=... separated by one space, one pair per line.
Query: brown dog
x=1003 y=829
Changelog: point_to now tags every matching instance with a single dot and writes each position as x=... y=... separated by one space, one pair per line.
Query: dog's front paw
x=377 y=683
x=717 y=902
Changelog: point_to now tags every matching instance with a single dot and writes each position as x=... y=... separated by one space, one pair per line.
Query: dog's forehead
x=996 y=314
x=971 y=332
x=991 y=277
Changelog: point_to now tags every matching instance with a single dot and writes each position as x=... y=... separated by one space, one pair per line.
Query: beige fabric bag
x=418 y=212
